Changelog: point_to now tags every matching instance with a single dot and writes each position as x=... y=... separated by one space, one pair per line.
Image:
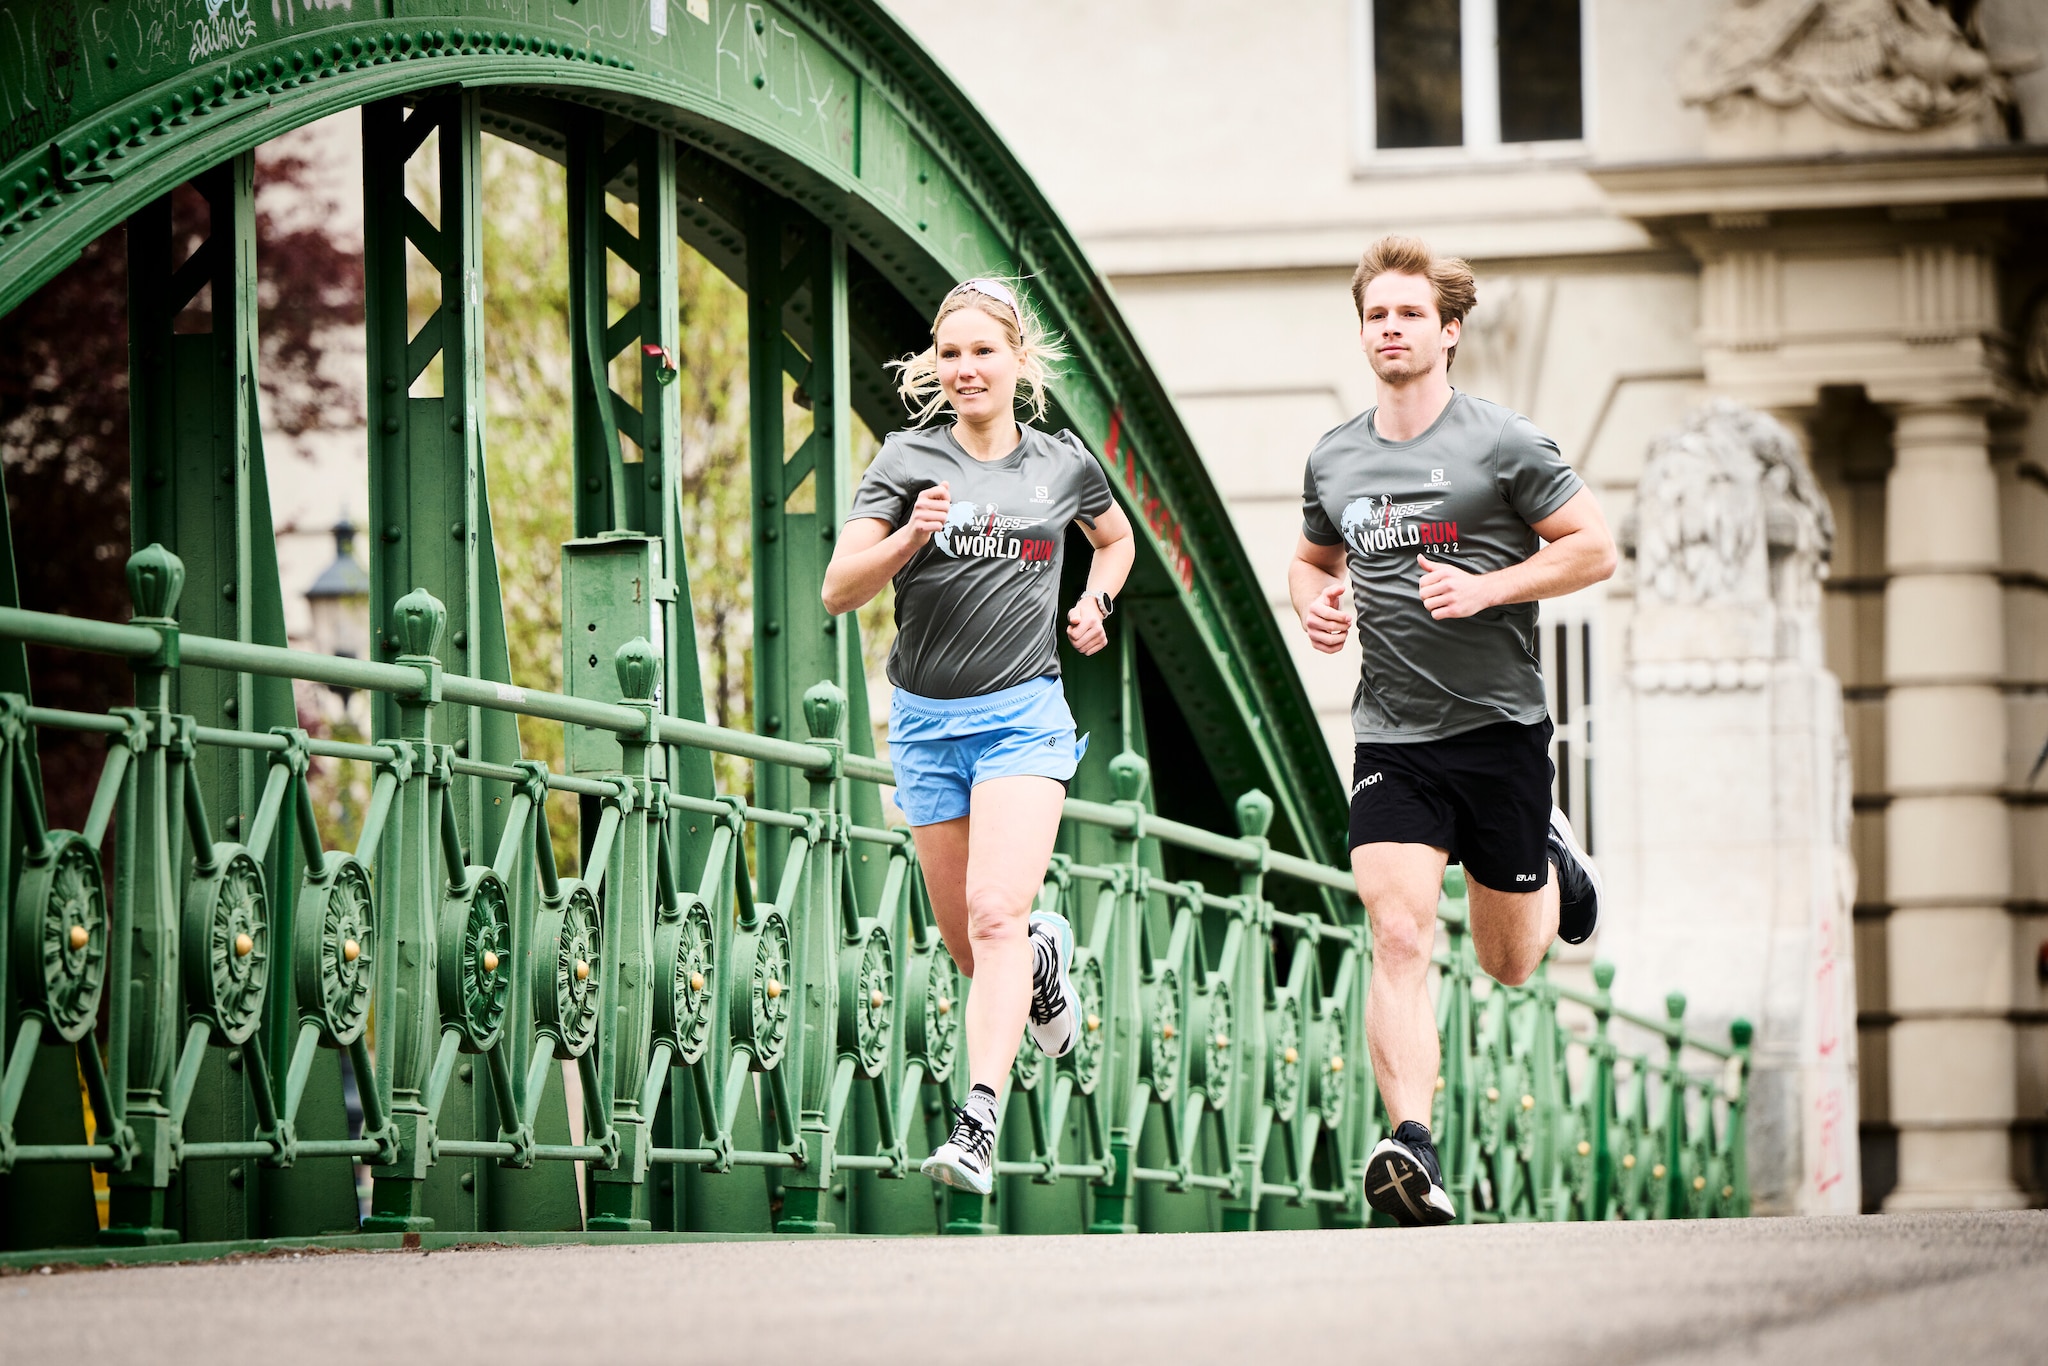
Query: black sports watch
x=1104 y=603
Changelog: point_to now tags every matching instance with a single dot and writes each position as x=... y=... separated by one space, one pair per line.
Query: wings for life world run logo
x=977 y=532
x=1379 y=523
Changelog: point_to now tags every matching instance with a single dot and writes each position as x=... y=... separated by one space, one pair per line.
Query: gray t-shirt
x=976 y=607
x=1463 y=493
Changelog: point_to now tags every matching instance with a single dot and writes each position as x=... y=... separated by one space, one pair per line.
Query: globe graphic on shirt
x=960 y=518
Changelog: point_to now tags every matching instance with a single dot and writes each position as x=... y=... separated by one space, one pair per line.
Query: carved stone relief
x=1727 y=511
x=1898 y=65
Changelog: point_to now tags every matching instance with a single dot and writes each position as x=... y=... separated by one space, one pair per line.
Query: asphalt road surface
x=1947 y=1289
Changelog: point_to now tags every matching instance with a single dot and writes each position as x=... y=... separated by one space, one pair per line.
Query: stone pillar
x=1948 y=854
x=1729 y=863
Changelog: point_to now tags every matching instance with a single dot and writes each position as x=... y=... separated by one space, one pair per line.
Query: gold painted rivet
x=1094 y=1023
x=696 y=981
x=1727 y=1192
x=582 y=971
x=79 y=937
x=1493 y=1093
x=1223 y=1041
x=1584 y=1147
x=1336 y=1064
x=875 y=998
x=350 y=950
x=1291 y=1057
x=490 y=960
x=1528 y=1102
x=1628 y=1160
x=244 y=945
x=774 y=988
x=1439 y=1083
x=1699 y=1183
x=946 y=1007
x=1658 y=1171
x=1166 y=1031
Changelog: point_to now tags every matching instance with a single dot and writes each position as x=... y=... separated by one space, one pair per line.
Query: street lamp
x=339 y=601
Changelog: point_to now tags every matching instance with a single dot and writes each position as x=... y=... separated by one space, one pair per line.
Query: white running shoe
x=966 y=1160
x=1055 y=1005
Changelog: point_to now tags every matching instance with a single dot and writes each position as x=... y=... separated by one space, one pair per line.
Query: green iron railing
x=765 y=1036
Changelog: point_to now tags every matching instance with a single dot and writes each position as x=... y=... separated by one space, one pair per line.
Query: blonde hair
x=1449 y=278
x=1037 y=351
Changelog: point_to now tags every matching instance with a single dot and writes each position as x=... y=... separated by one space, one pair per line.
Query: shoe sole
x=1399 y=1188
x=1561 y=824
x=1063 y=945
x=949 y=1173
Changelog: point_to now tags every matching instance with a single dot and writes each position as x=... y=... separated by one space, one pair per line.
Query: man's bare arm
x=1315 y=584
x=1579 y=551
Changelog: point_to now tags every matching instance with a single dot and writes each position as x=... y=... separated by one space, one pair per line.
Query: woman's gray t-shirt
x=1463 y=493
x=976 y=606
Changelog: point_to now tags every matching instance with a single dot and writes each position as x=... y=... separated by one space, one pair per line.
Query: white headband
x=994 y=290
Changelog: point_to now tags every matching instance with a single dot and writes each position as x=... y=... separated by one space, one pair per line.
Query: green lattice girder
x=831 y=109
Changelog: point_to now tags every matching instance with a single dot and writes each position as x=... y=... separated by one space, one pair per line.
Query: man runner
x=1455 y=515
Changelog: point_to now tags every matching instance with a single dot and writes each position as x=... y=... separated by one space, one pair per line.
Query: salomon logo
x=1363 y=783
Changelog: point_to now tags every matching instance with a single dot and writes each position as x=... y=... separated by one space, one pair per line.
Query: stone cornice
x=1705 y=189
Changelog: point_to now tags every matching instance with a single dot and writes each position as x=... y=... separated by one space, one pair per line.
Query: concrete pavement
x=1947 y=1289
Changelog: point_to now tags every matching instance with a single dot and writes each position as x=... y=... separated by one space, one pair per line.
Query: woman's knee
x=994 y=913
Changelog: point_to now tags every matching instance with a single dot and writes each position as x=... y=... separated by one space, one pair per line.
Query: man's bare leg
x=1399 y=884
x=1511 y=931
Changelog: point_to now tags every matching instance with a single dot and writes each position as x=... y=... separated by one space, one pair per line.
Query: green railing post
x=1247 y=947
x=1600 y=1126
x=1457 y=1139
x=618 y=1194
x=826 y=930
x=1670 y=1170
x=147 y=1002
x=407 y=901
x=1116 y=1191
x=1736 y=1138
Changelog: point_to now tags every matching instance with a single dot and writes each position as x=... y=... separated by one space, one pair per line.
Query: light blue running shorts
x=942 y=746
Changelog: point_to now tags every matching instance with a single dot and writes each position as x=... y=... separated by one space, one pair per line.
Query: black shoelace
x=970 y=1134
x=1046 y=997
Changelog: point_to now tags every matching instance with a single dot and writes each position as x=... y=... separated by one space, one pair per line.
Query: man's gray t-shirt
x=976 y=606
x=1463 y=493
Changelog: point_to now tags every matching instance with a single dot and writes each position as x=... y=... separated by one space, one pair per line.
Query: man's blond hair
x=1450 y=278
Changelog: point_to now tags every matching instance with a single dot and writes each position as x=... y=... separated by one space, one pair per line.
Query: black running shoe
x=1578 y=883
x=1404 y=1182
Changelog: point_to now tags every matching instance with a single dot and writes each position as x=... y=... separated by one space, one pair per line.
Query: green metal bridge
x=747 y=989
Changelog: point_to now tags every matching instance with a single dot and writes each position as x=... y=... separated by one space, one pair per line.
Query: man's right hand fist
x=1327 y=623
x=928 y=517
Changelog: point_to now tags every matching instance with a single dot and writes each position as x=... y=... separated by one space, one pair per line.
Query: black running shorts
x=1483 y=796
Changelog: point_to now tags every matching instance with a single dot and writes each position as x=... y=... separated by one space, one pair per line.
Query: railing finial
x=1254 y=814
x=1129 y=774
x=417 y=620
x=638 y=665
x=156 y=580
x=824 y=707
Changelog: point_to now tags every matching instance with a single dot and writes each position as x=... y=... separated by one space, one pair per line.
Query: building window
x=1473 y=74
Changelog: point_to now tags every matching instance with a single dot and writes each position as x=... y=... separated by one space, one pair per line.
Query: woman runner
x=969 y=520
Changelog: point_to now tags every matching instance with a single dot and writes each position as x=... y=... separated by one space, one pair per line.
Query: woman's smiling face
x=977 y=366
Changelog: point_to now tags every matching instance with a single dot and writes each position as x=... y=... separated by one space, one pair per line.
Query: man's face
x=1402 y=335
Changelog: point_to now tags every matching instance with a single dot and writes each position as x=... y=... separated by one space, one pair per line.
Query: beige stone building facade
x=1832 y=213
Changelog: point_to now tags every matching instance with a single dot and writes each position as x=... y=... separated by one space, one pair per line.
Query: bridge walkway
x=1898 y=1289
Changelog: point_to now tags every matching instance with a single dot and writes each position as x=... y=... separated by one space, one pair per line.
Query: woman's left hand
x=1085 y=628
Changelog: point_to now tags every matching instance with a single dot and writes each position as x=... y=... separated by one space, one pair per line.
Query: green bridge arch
x=743 y=986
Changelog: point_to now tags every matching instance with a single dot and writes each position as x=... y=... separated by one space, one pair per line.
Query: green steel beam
x=830 y=105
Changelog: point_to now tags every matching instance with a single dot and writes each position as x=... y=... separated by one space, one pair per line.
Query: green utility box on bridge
x=613 y=590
